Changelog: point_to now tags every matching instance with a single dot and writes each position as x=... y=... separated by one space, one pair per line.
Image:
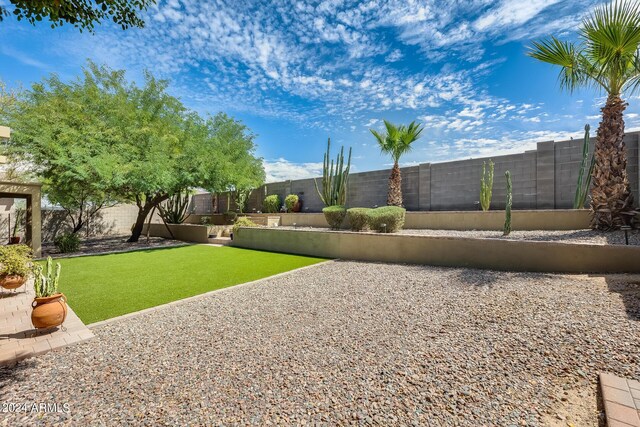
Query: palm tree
x=606 y=58
x=396 y=142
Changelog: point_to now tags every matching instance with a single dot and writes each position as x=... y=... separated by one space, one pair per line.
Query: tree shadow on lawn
x=628 y=286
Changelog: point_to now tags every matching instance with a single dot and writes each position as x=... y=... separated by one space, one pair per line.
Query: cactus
x=174 y=210
x=486 y=186
x=334 y=181
x=45 y=280
x=584 y=182
x=507 y=209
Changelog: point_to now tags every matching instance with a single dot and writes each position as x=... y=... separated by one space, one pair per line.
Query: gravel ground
x=566 y=236
x=351 y=343
x=110 y=244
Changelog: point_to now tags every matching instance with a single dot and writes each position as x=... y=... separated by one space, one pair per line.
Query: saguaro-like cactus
x=335 y=178
x=486 y=186
x=507 y=209
x=584 y=182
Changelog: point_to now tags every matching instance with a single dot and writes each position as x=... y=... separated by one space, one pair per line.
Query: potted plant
x=49 y=306
x=14 y=265
x=19 y=221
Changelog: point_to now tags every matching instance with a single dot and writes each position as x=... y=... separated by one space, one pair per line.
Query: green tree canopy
x=82 y=14
x=106 y=138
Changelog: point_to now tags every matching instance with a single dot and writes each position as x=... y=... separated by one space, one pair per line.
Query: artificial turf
x=99 y=287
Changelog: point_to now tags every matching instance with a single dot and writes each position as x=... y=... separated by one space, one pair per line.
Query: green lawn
x=103 y=286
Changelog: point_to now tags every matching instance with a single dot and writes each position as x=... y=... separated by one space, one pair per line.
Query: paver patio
x=351 y=343
x=18 y=338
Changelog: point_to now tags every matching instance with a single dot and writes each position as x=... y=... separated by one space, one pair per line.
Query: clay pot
x=49 y=312
x=298 y=206
x=12 y=281
x=14 y=240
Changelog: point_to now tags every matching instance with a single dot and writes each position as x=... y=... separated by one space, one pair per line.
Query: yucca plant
x=45 y=280
x=174 y=210
x=397 y=141
x=606 y=58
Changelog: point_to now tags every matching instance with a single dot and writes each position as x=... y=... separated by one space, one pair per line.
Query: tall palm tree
x=397 y=141
x=606 y=58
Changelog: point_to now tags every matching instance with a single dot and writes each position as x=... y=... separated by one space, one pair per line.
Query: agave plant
x=606 y=58
x=397 y=141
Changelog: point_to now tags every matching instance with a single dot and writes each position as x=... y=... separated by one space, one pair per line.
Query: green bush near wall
x=335 y=216
x=358 y=218
x=271 y=204
x=386 y=219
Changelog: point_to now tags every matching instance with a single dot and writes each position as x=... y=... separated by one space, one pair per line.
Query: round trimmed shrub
x=271 y=204
x=290 y=202
x=335 y=216
x=391 y=216
x=358 y=218
x=243 y=221
x=67 y=242
x=229 y=216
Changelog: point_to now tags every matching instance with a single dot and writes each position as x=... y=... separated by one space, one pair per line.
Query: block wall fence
x=544 y=178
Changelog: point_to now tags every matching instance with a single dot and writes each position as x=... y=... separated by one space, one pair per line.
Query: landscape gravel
x=110 y=244
x=350 y=343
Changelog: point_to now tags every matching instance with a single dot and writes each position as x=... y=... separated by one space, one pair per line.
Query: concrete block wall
x=544 y=178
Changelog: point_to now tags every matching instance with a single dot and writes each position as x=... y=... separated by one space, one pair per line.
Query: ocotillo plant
x=174 y=210
x=584 y=182
x=486 y=186
x=335 y=178
x=507 y=209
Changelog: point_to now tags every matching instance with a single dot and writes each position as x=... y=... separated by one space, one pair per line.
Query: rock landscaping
x=110 y=244
x=351 y=343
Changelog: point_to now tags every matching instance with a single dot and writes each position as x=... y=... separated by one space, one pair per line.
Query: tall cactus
x=335 y=178
x=486 y=186
x=584 y=182
x=45 y=280
x=507 y=210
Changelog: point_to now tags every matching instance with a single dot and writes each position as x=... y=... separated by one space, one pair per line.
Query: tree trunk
x=611 y=198
x=394 y=198
x=143 y=211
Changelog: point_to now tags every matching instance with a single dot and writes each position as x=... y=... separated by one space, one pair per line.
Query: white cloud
x=511 y=13
x=283 y=170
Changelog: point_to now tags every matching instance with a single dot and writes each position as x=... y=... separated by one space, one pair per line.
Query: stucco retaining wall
x=494 y=254
x=184 y=232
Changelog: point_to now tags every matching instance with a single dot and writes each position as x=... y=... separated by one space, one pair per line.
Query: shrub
x=391 y=216
x=358 y=218
x=15 y=260
x=271 y=204
x=243 y=221
x=334 y=216
x=290 y=201
x=67 y=242
x=205 y=220
x=229 y=216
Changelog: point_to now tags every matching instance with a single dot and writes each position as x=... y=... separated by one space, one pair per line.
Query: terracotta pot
x=49 y=312
x=14 y=240
x=298 y=206
x=12 y=281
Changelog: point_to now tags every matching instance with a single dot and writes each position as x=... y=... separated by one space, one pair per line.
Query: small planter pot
x=49 y=312
x=12 y=281
x=298 y=206
x=14 y=240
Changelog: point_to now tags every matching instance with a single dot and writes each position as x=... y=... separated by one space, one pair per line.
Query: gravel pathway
x=350 y=343
x=110 y=244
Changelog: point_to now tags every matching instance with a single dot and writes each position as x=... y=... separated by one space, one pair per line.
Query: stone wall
x=544 y=178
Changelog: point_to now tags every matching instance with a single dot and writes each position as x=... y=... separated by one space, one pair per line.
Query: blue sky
x=297 y=72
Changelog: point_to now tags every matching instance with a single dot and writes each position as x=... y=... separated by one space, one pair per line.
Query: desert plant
x=509 y=202
x=229 y=216
x=67 y=242
x=20 y=220
x=584 y=182
x=397 y=141
x=605 y=57
x=243 y=221
x=335 y=216
x=205 y=220
x=45 y=280
x=358 y=218
x=386 y=219
x=271 y=204
x=175 y=209
x=241 y=198
x=334 y=180
x=486 y=186
x=290 y=202
x=15 y=260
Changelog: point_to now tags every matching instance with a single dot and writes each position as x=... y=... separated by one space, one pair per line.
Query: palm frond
x=553 y=51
